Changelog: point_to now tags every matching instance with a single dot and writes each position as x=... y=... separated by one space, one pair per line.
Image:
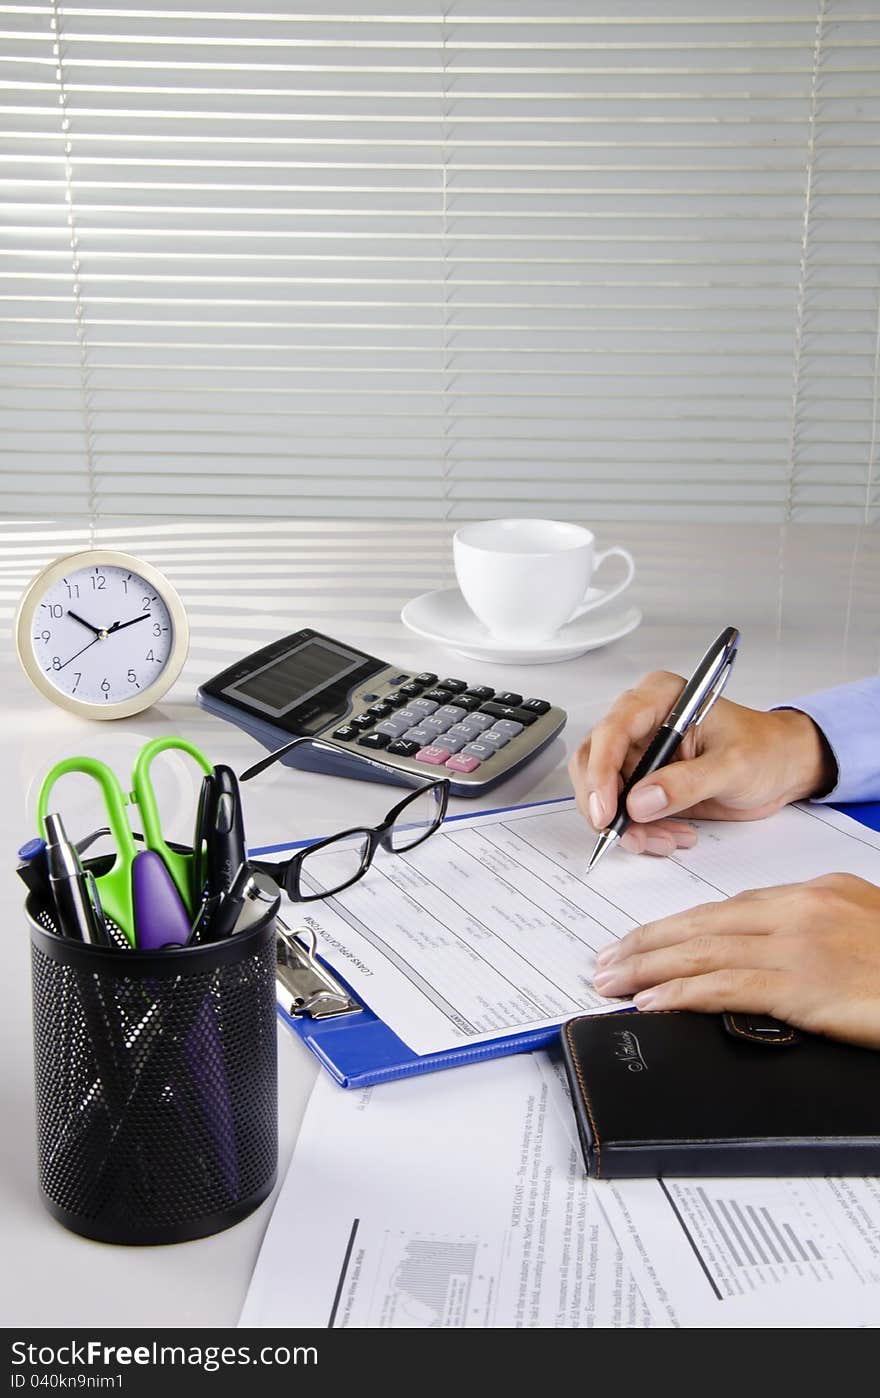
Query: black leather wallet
x=677 y=1093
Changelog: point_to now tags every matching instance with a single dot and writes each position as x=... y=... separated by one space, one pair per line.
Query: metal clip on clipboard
x=303 y=987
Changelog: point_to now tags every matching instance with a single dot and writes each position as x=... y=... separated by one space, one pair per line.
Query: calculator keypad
x=446 y=724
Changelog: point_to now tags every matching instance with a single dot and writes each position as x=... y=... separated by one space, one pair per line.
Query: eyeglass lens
x=334 y=865
x=418 y=818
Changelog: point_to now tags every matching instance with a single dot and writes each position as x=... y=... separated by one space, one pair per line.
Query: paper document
x=452 y=1200
x=708 y=1252
x=490 y=927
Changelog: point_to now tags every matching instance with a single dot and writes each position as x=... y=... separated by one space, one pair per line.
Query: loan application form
x=491 y=928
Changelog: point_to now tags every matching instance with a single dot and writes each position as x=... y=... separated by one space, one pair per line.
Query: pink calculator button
x=460 y=763
x=433 y=753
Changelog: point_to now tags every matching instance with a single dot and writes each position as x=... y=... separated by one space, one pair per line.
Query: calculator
x=311 y=685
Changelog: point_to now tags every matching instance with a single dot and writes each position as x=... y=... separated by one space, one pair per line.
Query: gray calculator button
x=491 y=735
x=422 y=706
x=453 y=742
x=478 y=749
x=409 y=714
x=508 y=726
x=434 y=724
x=419 y=735
x=477 y=723
x=393 y=727
x=451 y=711
x=459 y=729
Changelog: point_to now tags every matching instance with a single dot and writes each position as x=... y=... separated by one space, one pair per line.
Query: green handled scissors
x=114 y=887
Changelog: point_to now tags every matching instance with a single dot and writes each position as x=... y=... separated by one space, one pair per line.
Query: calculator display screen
x=295 y=677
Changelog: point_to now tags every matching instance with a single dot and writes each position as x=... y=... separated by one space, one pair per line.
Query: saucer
x=444 y=616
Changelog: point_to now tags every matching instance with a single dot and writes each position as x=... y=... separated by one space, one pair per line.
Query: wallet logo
x=629 y=1051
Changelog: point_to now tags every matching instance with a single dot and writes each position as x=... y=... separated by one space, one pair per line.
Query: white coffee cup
x=525 y=578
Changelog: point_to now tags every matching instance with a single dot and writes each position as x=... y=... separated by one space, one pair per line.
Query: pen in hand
x=693 y=704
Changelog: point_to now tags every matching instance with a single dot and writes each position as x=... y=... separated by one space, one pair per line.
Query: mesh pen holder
x=156 y=1083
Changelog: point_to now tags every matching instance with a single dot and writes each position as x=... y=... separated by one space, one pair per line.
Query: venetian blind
x=539 y=256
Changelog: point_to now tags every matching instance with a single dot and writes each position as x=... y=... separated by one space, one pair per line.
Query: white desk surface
x=805 y=598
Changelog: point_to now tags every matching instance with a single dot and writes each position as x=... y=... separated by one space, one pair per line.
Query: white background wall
x=539 y=256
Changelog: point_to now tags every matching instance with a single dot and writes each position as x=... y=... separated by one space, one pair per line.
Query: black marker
x=33 y=869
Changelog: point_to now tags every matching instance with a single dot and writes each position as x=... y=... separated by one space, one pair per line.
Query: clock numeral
x=132 y=677
x=56 y=662
x=99 y=582
x=72 y=589
x=125 y=582
x=149 y=655
x=146 y=606
x=157 y=629
x=44 y=636
x=54 y=609
x=105 y=687
x=78 y=677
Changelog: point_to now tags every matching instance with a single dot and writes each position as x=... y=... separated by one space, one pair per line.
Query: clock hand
x=96 y=630
x=102 y=635
x=79 y=652
x=121 y=625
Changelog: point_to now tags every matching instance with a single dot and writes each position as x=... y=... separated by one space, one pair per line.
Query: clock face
x=101 y=634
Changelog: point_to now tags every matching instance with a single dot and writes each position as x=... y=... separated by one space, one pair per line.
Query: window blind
x=538 y=256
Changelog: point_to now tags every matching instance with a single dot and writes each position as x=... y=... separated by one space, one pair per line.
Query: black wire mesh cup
x=156 y=1083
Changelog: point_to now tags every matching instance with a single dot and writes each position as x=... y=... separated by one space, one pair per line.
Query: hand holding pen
x=738 y=764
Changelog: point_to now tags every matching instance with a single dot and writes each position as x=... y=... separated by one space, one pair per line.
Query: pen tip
x=604 y=842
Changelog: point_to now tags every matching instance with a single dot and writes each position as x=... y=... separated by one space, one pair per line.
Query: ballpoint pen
x=696 y=699
x=70 y=888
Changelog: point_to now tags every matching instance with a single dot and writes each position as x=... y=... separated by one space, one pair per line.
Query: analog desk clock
x=101 y=633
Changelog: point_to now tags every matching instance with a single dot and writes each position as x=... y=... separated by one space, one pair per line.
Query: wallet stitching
x=586 y=1100
x=779 y=1041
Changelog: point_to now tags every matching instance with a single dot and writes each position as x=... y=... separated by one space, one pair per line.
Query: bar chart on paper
x=800 y=1252
x=749 y=1234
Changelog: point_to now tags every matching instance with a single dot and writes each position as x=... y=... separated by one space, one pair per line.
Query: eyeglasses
x=330 y=865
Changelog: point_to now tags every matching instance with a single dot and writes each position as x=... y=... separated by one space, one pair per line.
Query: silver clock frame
x=97 y=558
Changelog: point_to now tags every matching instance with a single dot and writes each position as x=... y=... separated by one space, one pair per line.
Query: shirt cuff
x=849 y=719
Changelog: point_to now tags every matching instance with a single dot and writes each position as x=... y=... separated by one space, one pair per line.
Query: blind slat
x=438 y=261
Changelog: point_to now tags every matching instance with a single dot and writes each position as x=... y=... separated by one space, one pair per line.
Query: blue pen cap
x=32 y=848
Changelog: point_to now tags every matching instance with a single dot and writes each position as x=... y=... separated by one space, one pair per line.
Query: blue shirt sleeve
x=849 y=717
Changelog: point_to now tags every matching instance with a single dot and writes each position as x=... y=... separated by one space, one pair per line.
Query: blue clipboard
x=359 y=1049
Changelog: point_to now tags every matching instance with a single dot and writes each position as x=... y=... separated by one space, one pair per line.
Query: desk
x=805 y=598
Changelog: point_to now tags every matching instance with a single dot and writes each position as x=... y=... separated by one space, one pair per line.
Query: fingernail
x=604 y=981
x=629 y=843
x=686 y=839
x=647 y=999
x=607 y=955
x=646 y=801
x=597 y=810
